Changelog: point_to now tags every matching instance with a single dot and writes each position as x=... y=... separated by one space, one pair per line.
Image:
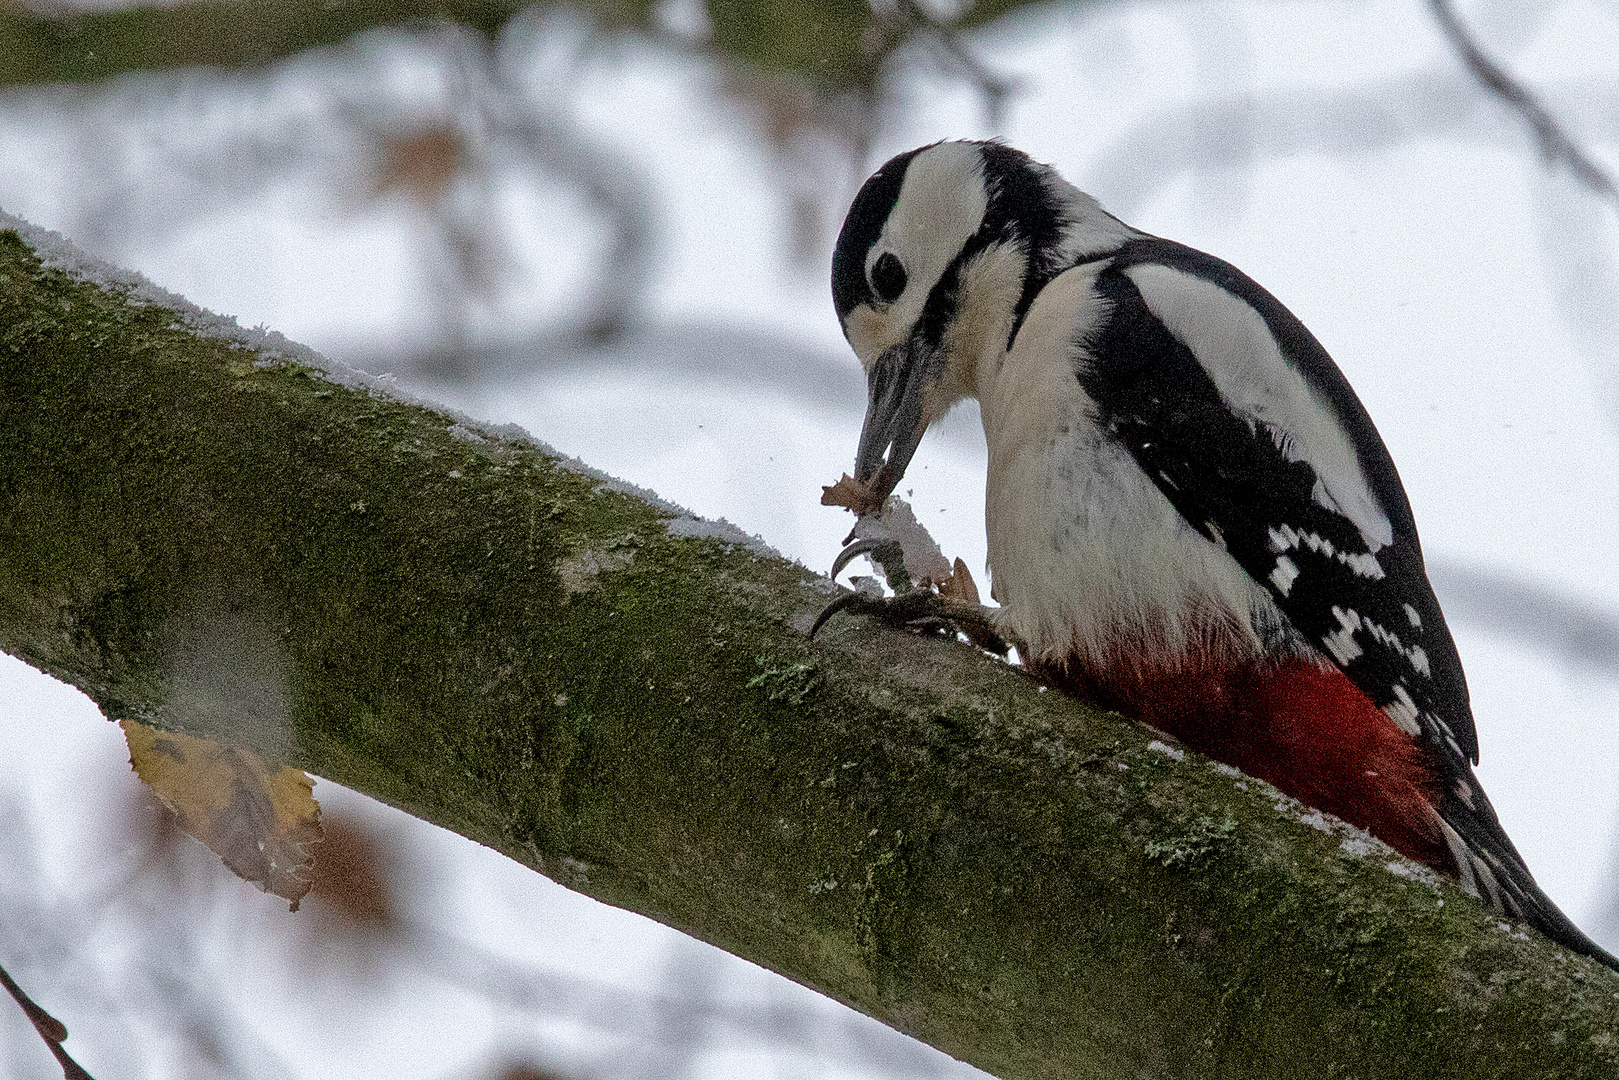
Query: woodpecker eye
x=887 y=277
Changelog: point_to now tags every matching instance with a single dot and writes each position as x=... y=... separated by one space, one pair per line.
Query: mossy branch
x=234 y=543
x=95 y=43
x=829 y=44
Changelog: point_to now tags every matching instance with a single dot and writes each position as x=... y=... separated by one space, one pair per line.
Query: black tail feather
x=1489 y=866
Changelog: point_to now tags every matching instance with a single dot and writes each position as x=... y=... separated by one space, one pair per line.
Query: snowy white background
x=1336 y=151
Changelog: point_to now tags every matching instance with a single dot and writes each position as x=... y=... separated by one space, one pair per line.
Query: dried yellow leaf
x=960 y=585
x=263 y=823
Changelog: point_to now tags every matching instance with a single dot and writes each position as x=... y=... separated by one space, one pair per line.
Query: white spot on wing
x=1318 y=544
x=1284 y=575
x=1403 y=711
x=1286 y=538
x=1415 y=655
x=1363 y=563
x=1382 y=636
x=1236 y=348
x=1283 y=538
x=1341 y=642
x=1411 y=613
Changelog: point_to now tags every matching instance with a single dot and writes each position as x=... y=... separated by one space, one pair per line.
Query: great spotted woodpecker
x=1190 y=515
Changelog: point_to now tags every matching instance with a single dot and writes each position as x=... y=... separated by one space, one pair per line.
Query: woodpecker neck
x=975 y=340
x=1088 y=231
x=1000 y=283
x=1027 y=391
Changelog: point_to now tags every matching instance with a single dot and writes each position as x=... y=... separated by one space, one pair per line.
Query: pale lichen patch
x=579 y=572
x=1415 y=871
x=1318 y=821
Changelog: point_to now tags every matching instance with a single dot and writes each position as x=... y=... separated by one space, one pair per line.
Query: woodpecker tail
x=1487 y=864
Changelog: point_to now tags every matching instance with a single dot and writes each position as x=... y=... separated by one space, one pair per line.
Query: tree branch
x=203 y=528
x=97 y=43
x=1556 y=144
x=815 y=41
x=50 y=1029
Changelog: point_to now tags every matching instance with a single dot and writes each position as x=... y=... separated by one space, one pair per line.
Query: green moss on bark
x=472 y=630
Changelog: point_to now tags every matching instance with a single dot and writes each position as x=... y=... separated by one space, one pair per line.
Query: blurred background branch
x=1558 y=147
x=836 y=45
x=62 y=44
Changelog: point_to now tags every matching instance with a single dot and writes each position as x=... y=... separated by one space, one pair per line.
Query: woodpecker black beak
x=894 y=425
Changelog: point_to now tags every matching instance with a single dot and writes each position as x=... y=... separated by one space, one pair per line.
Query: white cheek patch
x=991 y=282
x=1234 y=345
x=941 y=204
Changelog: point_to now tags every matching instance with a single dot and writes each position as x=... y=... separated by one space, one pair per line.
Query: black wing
x=1244 y=482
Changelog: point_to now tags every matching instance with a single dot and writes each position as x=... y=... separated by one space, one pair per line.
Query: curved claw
x=922 y=612
x=848 y=599
x=852 y=552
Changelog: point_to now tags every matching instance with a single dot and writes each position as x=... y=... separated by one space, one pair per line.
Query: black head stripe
x=1022 y=207
x=862 y=228
x=941 y=304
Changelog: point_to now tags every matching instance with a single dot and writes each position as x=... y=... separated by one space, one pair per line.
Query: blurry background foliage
x=610 y=221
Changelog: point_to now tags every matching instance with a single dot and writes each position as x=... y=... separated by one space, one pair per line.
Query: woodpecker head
x=942 y=252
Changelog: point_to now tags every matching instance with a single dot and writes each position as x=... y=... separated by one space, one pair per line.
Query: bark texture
x=231 y=543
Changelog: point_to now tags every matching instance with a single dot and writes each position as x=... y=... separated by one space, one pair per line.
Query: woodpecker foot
x=922 y=611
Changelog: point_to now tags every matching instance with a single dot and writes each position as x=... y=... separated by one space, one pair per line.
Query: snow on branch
x=462 y=623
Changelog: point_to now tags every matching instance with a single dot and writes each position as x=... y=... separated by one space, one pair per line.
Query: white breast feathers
x=1089 y=560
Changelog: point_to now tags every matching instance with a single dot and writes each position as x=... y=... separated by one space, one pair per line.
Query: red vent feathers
x=1308 y=731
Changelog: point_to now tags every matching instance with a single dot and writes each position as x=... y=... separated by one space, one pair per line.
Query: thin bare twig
x=1555 y=143
x=52 y=1030
x=995 y=88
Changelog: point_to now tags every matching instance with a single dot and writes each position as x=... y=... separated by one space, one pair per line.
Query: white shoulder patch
x=1088 y=230
x=1230 y=339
